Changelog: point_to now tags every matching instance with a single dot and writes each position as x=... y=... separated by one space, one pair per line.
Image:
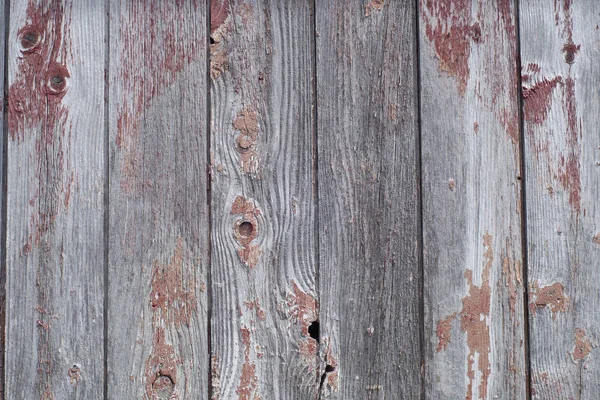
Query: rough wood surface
x=560 y=100
x=474 y=312
x=55 y=268
x=3 y=103
x=369 y=274
x=158 y=229
x=263 y=252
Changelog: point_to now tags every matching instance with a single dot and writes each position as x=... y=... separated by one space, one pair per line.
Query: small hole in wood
x=212 y=41
x=329 y=368
x=29 y=39
x=246 y=229
x=314 y=330
x=57 y=79
x=163 y=387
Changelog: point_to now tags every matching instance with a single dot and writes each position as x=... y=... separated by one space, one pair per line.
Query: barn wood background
x=271 y=199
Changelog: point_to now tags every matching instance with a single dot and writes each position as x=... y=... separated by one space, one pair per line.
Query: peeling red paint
x=374 y=5
x=596 y=238
x=220 y=26
x=474 y=322
x=538 y=99
x=248 y=385
x=301 y=307
x=444 y=332
x=246 y=230
x=170 y=295
x=512 y=275
x=162 y=362
x=255 y=305
x=74 y=375
x=552 y=297
x=219 y=11
x=448 y=27
x=153 y=55
x=583 y=346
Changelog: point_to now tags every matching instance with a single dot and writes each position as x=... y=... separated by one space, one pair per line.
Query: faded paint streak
x=511 y=269
x=448 y=27
x=583 y=346
x=552 y=297
x=152 y=57
x=570 y=176
x=538 y=99
x=215 y=377
x=248 y=385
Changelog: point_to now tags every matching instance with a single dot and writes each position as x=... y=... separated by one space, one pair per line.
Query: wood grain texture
x=158 y=229
x=264 y=260
x=369 y=234
x=55 y=268
x=560 y=74
x=474 y=311
x=3 y=124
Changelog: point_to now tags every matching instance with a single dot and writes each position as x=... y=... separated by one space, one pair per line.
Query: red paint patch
x=246 y=123
x=255 y=305
x=596 y=238
x=552 y=297
x=248 y=380
x=374 y=5
x=583 y=346
x=448 y=27
x=301 y=308
x=171 y=297
x=537 y=100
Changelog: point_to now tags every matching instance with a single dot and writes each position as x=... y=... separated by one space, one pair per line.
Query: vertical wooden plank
x=3 y=124
x=368 y=199
x=474 y=310
x=263 y=263
x=158 y=224
x=560 y=74
x=55 y=242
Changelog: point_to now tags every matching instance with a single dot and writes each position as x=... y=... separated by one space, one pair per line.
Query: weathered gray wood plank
x=474 y=310
x=3 y=109
x=368 y=199
x=159 y=225
x=55 y=246
x=263 y=252
x=559 y=49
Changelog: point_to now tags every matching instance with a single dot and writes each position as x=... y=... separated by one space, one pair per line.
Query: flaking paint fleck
x=552 y=297
x=374 y=5
x=596 y=238
x=444 y=332
x=583 y=346
x=215 y=377
x=220 y=25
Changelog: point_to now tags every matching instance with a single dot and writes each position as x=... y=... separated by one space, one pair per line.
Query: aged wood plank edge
x=419 y=177
x=106 y=199
x=524 y=239
x=4 y=12
x=209 y=302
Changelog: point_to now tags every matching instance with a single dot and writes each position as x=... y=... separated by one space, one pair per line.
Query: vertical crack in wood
x=212 y=364
x=106 y=190
x=523 y=210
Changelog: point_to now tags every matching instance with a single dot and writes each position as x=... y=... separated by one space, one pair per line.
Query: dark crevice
x=209 y=41
x=4 y=163
x=419 y=156
x=314 y=330
x=106 y=189
x=523 y=210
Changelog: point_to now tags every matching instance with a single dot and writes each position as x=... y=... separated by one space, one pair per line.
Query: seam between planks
x=419 y=179
x=3 y=205
x=315 y=182
x=523 y=210
x=106 y=187
x=209 y=199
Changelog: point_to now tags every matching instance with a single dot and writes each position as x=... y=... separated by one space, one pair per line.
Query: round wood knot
x=163 y=388
x=29 y=38
x=56 y=79
x=245 y=142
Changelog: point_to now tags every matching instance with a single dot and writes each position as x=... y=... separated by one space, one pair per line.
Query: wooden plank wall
x=299 y=199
